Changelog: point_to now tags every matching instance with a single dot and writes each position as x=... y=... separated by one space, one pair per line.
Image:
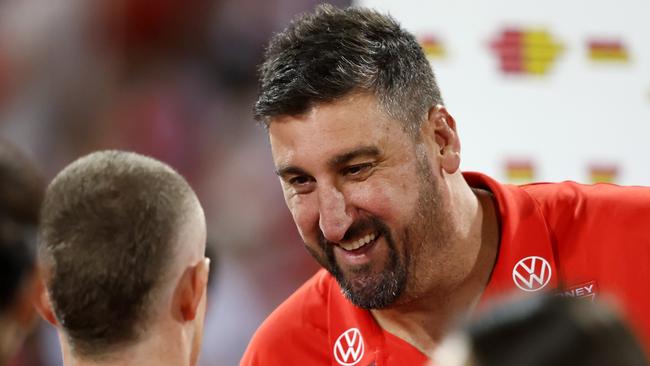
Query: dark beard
x=369 y=290
x=366 y=289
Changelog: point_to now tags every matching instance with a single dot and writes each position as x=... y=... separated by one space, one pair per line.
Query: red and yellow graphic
x=520 y=171
x=526 y=51
x=603 y=173
x=432 y=47
x=608 y=51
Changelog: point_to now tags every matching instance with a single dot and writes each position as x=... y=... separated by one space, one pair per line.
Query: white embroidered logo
x=348 y=349
x=531 y=273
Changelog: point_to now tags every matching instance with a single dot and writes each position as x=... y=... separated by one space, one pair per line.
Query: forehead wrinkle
x=307 y=142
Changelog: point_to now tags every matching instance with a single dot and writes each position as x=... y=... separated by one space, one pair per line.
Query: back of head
x=553 y=331
x=331 y=52
x=109 y=224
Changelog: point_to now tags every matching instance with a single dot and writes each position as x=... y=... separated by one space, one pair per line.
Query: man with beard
x=368 y=158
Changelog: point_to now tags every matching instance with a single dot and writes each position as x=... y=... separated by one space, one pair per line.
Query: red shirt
x=579 y=240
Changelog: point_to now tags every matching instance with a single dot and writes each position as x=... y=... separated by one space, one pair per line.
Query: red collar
x=525 y=239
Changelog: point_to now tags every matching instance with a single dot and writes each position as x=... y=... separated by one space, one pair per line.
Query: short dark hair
x=22 y=187
x=108 y=225
x=327 y=54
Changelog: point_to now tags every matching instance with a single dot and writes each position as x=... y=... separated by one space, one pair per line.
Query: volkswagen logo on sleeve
x=348 y=349
x=531 y=273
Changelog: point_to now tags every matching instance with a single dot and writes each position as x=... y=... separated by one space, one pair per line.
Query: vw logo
x=531 y=273
x=348 y=349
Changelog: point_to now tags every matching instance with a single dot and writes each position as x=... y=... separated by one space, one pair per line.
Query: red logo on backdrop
x=348 y=349
x=532 y=273
x=526 y=51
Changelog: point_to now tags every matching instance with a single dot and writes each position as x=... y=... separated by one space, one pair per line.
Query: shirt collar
x=525 y=242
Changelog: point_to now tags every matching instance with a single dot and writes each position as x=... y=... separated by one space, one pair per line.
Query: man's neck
x=423 y=322
x=159 y=348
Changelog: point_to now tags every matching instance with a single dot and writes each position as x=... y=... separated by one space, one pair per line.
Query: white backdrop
x=578 y=114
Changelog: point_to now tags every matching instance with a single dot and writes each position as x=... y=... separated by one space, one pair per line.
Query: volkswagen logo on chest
x=531 y=273
x=349 y=347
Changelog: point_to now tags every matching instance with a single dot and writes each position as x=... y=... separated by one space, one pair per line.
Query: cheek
x=391 y=194
x=389 y=201
x=305 y=215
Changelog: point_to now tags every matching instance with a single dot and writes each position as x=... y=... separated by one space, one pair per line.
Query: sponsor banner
x=600 y=50
x=525 y=51
x=520 y=171
x=432 y=47
x=603 y=173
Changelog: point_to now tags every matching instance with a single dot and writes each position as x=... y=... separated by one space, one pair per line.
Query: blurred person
x=172 y=80
x=544 y=331
x=122 y=243
x=21 y=193
x=369 y=163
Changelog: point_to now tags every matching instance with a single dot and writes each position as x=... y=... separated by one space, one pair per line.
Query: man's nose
x=334 y=218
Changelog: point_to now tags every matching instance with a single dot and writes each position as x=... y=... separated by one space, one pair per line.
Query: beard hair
x=369 y=290
x=366 y=289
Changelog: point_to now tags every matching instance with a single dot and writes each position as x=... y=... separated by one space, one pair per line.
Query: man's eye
x=356 y=169
x=299 y=180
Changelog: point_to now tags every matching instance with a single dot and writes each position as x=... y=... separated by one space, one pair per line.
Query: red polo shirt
x=578 y=240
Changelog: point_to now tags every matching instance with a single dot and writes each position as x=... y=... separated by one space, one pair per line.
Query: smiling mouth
x=359 y=243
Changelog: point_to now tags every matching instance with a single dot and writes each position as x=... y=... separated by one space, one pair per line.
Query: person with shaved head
x=122 y=248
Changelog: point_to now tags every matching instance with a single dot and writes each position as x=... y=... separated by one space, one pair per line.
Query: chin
x=372 y=292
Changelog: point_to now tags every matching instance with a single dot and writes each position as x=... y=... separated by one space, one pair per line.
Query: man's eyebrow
x=363 y=151
x=284 y=170
x=338 y=160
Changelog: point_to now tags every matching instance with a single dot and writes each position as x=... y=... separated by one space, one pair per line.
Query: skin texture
x=348 y=170
x=174 y=333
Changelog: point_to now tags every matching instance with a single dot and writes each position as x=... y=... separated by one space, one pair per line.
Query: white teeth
x=358 y=243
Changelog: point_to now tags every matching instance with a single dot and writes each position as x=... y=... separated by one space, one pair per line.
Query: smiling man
x=369 y=162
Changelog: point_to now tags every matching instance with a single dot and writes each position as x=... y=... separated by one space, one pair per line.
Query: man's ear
x=439 y=130
x=191 y=288
x=42 y=301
